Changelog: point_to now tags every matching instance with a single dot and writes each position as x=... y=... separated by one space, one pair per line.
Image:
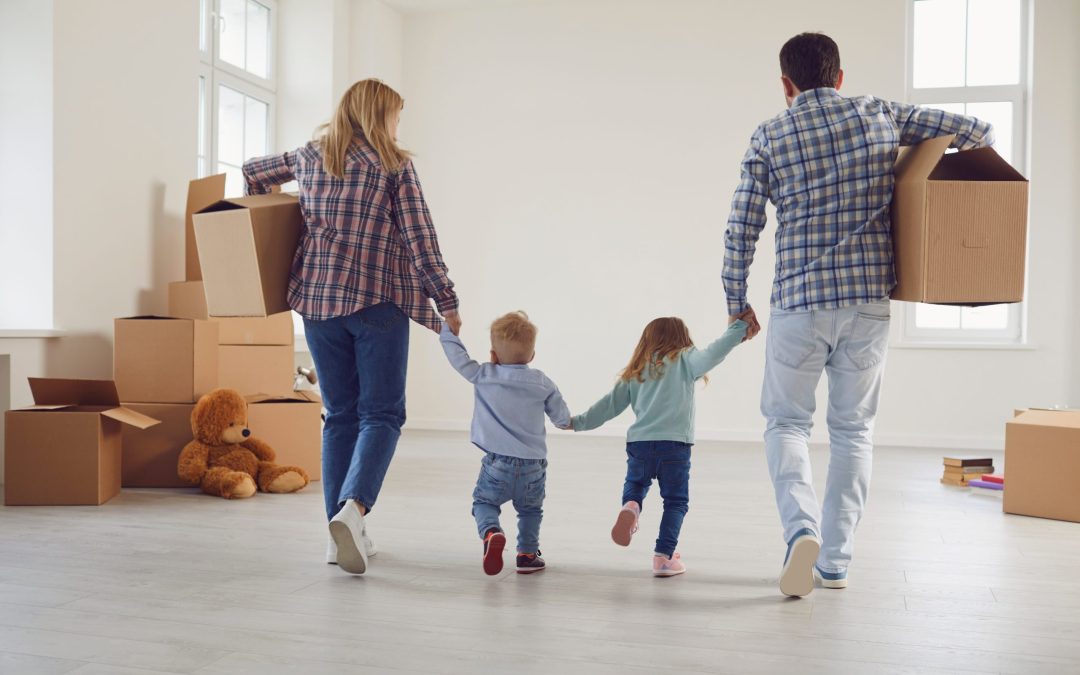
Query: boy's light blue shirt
x=664 y=407
x=511 y=401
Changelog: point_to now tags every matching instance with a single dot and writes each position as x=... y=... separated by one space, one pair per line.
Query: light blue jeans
x=511 y=479
x=849 y=344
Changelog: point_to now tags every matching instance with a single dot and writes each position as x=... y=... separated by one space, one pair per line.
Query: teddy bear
x=225 y=459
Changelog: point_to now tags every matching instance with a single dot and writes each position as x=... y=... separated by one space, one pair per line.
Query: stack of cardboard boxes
x=245 y=342
x=79 y=445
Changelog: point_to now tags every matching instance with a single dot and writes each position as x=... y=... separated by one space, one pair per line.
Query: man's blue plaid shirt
x=826 y=163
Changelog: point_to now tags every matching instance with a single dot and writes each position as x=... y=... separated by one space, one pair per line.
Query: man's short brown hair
x=513 y=338
x=810 y=61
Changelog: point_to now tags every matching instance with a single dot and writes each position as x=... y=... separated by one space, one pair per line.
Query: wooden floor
x=174 y=581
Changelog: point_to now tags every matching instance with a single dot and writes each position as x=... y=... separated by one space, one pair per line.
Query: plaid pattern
x=826 y=163
x=367 y=239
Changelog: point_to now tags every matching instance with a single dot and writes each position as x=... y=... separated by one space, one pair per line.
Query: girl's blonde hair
x=366 y=108
x=663 y=339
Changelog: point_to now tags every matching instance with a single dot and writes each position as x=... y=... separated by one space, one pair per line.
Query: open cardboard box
x=66 y=448
x=246 y=250
x=959 y=226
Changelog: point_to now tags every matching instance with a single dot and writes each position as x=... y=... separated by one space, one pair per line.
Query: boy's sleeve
x=557 y=410
x=263 y=173
x=917 y=124
x=701 y=361
x=457 y=355
x=605 y=409
x=745 y=222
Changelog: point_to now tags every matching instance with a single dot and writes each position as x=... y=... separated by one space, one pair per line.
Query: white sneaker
x=797 y=575
x=346 y=531
x=331 y=548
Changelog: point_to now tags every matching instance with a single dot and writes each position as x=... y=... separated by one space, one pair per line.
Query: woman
x=367 y=262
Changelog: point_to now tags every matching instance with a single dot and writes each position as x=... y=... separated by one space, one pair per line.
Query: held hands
x=752 y=325
x=453 y=319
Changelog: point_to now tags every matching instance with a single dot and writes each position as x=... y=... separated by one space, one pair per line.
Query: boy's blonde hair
x=513 y=338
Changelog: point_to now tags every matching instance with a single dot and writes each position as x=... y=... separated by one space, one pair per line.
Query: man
x=826 y=163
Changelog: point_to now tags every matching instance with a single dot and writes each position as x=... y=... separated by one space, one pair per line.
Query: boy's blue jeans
x=361 y=361
x=503 y=479
x=669 y=463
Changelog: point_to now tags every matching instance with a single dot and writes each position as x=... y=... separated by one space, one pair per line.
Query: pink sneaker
x=626 y=523
x=662 y=566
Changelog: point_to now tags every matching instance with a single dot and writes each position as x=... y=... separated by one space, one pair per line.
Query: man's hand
x=752 y=325
x=453 y=319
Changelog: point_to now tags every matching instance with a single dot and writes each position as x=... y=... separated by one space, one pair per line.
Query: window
x=236 y=86
x=970 y=57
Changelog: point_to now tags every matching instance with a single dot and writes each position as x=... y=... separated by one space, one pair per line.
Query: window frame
x=1015 y=331
x=216 y=73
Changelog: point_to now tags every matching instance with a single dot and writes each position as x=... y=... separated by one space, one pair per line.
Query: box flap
x=1069 y=419
x=49 y=392
x=130 y=417
x=202 y=192
x=150 y=317
x=916 y=162
x=980 y=164
x=47 y=407
x=263 y=201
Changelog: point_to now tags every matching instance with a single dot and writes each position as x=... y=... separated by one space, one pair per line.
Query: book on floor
x=968 y=460
x=994 y=478
x=985 y=484
x=966 y=470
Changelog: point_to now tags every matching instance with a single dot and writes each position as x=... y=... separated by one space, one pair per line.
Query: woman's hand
x=453 y=319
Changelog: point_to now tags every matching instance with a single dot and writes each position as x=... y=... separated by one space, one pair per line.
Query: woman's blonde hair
x=663 y=339
x=366 y=108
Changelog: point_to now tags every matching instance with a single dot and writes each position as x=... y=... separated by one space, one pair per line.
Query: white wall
x=124 y=136
x=26 y=54
x=579 y=158
x=375 y=48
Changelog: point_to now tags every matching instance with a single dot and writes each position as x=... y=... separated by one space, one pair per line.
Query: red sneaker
x=494 y=543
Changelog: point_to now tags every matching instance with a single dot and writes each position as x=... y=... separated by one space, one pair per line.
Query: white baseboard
x=818 y=436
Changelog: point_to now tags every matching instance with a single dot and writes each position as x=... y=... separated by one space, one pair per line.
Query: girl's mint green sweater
x=664 y=407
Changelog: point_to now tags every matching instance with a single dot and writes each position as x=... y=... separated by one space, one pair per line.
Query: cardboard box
x=187 y=300
x=1042 y=464
x=292 y=425
x=202 y=193
x=66 y=448
x=150 y=456
x=257 y=369
x=246 y=250
x=959 y=226
x=163 y=360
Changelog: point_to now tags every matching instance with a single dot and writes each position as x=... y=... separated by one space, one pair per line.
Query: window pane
x=993 y=50
x=234 y=179
x=936 y=316
x=947 y=107
x=939 y=43
x=1000 y=114
x=255 y=130
x=201 y=125
x=991 y=317
x=258 y=39
x=231 y=32
x=203 y=13
x=230 y=145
